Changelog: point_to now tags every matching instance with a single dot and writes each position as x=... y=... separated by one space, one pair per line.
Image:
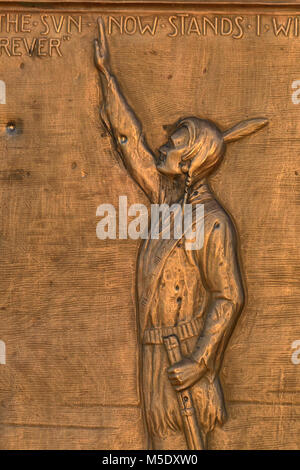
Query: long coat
x=197 y=294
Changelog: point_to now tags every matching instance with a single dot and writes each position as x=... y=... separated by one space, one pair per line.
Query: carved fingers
x=97 y=52
x=184 y=374
x=102 y=37
x=101 y=48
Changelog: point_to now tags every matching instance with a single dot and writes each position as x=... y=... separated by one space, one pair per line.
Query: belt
x=182 y=331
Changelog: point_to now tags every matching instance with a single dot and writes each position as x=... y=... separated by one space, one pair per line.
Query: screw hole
x=123 y=139
x=11 y=127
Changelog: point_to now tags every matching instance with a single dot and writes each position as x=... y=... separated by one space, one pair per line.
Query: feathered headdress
x=244 y=128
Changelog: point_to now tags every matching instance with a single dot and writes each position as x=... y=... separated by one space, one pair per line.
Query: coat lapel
x=153 y=256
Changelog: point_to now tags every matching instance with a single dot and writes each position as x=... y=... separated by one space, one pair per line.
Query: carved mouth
x=161 y=157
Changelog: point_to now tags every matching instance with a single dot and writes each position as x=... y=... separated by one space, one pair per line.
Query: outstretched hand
x=101 y=49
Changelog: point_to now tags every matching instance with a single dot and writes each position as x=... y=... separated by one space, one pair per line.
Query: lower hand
x=185 y=373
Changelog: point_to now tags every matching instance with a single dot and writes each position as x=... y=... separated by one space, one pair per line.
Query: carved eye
x=123 y=139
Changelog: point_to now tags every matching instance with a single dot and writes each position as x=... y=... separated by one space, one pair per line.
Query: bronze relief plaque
x=150 y=267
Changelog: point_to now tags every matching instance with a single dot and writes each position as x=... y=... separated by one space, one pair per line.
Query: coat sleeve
x=129 y=140
x=226 y=296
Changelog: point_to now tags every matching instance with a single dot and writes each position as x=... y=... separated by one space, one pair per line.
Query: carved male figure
x=196 y=295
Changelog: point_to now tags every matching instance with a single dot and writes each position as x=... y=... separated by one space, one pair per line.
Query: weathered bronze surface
x=123 y=344
x=191 y=296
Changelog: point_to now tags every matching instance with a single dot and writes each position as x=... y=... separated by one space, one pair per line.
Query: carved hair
x=207 y=144
x=205 y=149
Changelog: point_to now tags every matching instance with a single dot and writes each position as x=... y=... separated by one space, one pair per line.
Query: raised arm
x=124 y=126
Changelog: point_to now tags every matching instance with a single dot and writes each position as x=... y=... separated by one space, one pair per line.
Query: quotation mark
x=2 y=92
x=296 y=354
x=296 y=94
x=2 y=352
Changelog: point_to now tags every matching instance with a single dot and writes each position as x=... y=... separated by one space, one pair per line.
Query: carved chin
x=164 y=170
x=160 y=167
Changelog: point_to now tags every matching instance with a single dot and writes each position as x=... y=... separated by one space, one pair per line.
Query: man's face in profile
x=169 y=161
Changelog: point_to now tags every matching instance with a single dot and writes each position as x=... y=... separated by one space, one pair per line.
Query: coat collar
x=199 y=191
